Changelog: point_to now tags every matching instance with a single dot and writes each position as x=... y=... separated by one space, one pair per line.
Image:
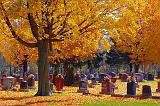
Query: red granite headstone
x=107 y=87
x=124 y=77
x=158 y=89
x=59 y=82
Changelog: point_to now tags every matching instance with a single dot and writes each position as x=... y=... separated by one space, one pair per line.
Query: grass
x=121 y=103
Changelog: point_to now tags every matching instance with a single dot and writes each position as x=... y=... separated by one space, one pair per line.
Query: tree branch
x=64 y=23
x=32 y=45
x=56 y=40
x=33 y=25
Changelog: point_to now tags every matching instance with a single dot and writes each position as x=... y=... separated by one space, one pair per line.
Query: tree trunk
x=130 y=65
x=24 y=68
x=136 y=67
x=43 y=81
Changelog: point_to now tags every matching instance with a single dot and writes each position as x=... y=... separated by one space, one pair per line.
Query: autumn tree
x=46 y=22
x=17 y=54
x=136 y=33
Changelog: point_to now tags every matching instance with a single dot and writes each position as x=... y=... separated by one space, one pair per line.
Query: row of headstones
x=108 y=87
x=146 y=90
x=140 y=77
x=8 y=83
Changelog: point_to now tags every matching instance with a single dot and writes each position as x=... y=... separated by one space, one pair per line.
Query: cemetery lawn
x=70 y=97
x=121 y=103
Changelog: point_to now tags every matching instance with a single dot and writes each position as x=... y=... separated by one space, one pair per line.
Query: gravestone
x=59 y=82
x=20 y=80
x=113 y=80
x=8 y=83
x=96 y=75
x=158 y=89
x=3 y=76
x=51 y=78
x=107 y=87
x=139 y=77
x=83 y=77
x=113 y=74
x=89 y=76
x=120 y=75
x=129 y=73
x=145 y=76
x=83 y=86
x=146 y=91
x=24 y=86
x=31 y=81
x=150 y=77
x=158 y=74
x=14 y=81
x=76 y=79
x=51 y=85
x=93 y=82
x=101 y=77
x=131 y=88
x=36 y=76
x=124 y=77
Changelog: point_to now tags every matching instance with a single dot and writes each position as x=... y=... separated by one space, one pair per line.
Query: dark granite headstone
x=158 y=74
x=145 y=76
x=131 y=88
x=150 y=77
x=101 y=77
x=31 y=81
x=24 y=86
x=77 y=78
x=146 y=91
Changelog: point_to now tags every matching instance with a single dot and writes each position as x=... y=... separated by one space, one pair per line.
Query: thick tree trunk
x=136 y=67
x=43 y=81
